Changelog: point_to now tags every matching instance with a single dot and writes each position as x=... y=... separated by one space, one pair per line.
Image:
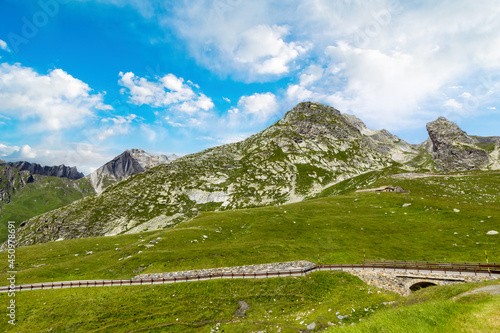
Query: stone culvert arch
x=415 y=286
x=412 y=284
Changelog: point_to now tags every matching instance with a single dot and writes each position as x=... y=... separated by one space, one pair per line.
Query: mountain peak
x=312 y=119
x=130 y=162
x=453 y=149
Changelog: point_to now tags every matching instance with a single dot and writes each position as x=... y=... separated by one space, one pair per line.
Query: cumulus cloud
x=394 y=65
x=169 y=91
x=452 y=103
x=263 y=49
x=239 y=38
x=8 y=150
x=56 y=100
x=390 y=62
x=25 y=152
x=4 y=46
x=260 y=107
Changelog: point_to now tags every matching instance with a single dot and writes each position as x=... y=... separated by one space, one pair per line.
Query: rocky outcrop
x=453 y=149
x=52 y=171
x=129 y=163
x=12 y=180
x=385 y=142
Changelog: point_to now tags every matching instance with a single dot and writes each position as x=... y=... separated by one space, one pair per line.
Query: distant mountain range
x=311 y=149
x=29 y=189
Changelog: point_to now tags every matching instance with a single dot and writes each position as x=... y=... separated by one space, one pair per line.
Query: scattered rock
x=311 y=327
x=244 y=307
x=456 y=210
x=407 y=205
x=492 y=232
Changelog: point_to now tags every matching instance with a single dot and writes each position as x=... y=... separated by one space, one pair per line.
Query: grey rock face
x=53 y=171
x=13 y=180
x=129 y=163
x=453 y=149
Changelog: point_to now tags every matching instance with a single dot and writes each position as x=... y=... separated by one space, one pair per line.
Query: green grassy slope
x=332 y=229
x=40 y=197
x=436 y=310
x=289 y=303
x=326 y=230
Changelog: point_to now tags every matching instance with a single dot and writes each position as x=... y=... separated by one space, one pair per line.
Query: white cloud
x=8 y=150
x=56 y=100
x=27 y=152
x=4 y=46
x=244 y=39
x=296 y=93
x=261 y=107
x=168 y=91
x=311 y=74
x=452 y=103
x=392 y=63
x=263 y=49
x=387 y=61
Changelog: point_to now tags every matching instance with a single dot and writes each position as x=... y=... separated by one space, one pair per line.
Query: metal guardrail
x=433 y=263
x=432 y=267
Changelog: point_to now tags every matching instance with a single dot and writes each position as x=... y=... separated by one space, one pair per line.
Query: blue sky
x=83 y=80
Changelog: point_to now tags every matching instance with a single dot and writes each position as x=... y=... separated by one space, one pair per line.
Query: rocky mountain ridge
x=15 y=175
x=313 y=147
x=130 y=162
x=310 y=149
x=61 y=171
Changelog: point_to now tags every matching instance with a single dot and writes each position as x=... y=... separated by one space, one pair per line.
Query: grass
x=40 y=197
x=439 y=309
x=289 y=303
x=333 y=229
x=325 y=230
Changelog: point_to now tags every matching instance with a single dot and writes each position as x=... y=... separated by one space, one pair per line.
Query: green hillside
x=331 y=229
x=40 y=197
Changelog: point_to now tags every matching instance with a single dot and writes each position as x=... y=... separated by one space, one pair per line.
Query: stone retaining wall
x=250 y=269
x=395 y=281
